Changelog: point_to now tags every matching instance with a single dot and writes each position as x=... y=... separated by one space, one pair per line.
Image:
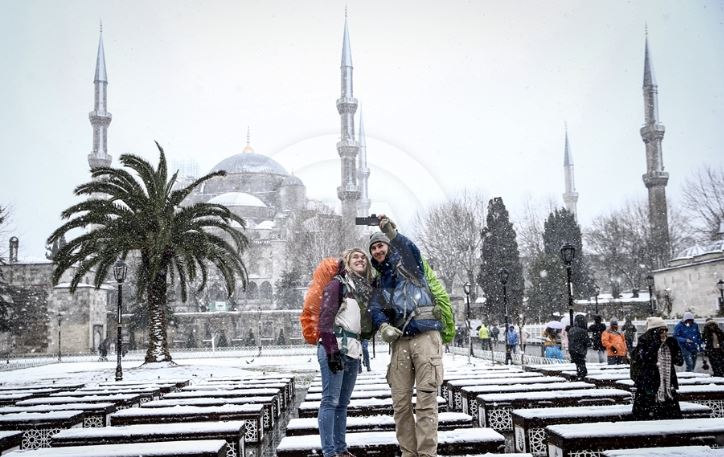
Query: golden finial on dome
x=248 y=147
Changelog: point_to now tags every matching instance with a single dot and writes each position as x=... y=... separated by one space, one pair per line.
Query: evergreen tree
x=287 y=292
x=548 y=293
x=500 y=250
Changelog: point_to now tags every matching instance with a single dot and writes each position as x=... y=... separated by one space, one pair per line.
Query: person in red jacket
x=615 y=343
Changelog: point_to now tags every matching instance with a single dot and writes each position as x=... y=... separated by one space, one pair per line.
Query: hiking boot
x=345 y=454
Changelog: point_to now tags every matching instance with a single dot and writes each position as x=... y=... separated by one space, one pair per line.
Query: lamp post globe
x=650 y=284
x=568 y=253
x=503 y=276
x=119 y=273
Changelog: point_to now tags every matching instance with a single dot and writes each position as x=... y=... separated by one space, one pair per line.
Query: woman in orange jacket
x=615 y=344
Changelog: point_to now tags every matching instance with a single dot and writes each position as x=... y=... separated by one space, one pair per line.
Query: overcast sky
x=455 y=95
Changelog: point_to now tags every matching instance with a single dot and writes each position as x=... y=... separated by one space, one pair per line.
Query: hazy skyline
x=455 y=95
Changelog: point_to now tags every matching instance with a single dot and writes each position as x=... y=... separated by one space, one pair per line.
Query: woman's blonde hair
x=347 y=259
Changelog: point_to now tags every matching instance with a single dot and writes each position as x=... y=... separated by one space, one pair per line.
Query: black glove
x=335 y=362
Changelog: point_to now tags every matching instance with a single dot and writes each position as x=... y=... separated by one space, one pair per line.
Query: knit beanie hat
x=614 y=321
x=687 y=316
x=654 y=322
x=377 y=237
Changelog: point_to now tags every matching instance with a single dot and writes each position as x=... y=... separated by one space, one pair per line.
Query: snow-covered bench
x=59 y=386
x=194 y=448
x=232 y=432
x=450 y=388
x=310 y=426
x=38 y=428
x=357 y=387
x=452 y=382
x=144 y=394
x=356 y=394
x=177 y=383
x=494 y=409
x=628 y=384
x=270 y=409
x=529 y=424
x=361 y=407
x=252 y=414
x=669 y=451
x=10 y=440
x=94 y=414
x=277 y=393
x=287 y=380
x=592 y=439
x=120 y=400
x=449 y=442
x=470 y=393
x=282 y=388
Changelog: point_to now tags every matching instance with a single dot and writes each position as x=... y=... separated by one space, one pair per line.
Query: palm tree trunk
x=157 y=338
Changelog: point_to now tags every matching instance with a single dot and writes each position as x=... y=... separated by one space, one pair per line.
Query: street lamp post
x=568 y=253
x=720 y=286
x=60 y=319
x=466 y=289
x=597 y=289
x=119 y=272
x=650 y=283
x=504 y=274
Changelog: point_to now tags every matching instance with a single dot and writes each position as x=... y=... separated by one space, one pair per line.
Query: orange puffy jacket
x=611 y=340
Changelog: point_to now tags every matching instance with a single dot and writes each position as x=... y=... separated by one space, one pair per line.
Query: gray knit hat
x=377 y=237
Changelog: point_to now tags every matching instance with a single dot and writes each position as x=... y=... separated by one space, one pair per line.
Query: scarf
x=663 y=360
x=362 y=289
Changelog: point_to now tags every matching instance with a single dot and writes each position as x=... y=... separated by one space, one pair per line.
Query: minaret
x=655 y=178
x=348 y=192
x=363 y=173
x=570 y=196
x=100 y=118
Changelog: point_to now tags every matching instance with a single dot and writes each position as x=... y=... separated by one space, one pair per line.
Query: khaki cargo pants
x=416 y=361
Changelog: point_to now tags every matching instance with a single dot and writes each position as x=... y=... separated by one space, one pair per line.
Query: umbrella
x=554 y=325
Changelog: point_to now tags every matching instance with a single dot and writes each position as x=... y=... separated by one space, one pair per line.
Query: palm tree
x=144 y=216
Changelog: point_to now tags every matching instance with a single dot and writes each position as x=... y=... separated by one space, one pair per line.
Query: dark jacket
x=707 y=335
x=578 y=341
x=403 y=251
x=596 y=330
x=647 y=383
x=682 y=333
x=331 y=301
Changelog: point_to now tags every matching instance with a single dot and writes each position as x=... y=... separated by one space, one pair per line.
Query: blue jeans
x=336 y=392
x=365 y=355
x=689 y=358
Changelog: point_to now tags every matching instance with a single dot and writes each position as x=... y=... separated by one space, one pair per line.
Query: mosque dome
x=250 y=162
x=292 y=180
x=232 y=199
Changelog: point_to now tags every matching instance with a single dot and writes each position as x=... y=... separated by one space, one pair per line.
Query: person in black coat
x=656 y=383
x=578 y=344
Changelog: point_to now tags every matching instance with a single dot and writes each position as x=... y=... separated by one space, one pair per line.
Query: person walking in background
x=410 y=321
x=615 y=344
x=552 y=344
x=344 y=301
x=484 y=336
x=512 y=339
x=656 y=382
x=365 y=355
x=578 y=344
x=713 y=337
x=629 y=332
x=687 y=334
x=494 y=333
x=596 y=330
x=523 y=338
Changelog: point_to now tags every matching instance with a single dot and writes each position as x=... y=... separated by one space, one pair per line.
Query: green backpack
x=442 y=300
